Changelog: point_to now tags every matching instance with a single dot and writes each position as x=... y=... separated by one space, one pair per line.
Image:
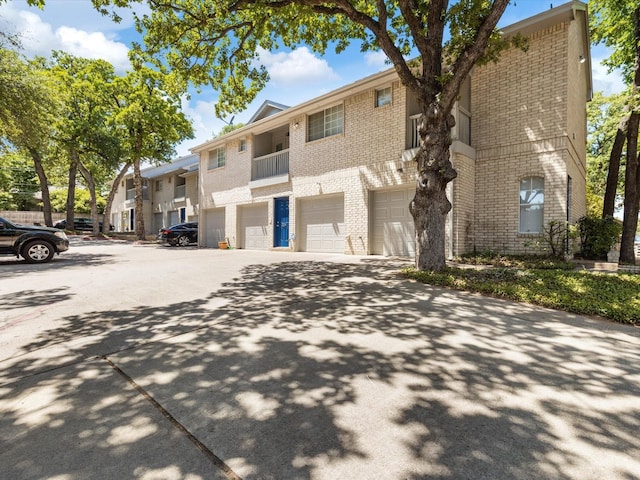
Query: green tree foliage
x=149 y=123
x=603 y=118
x=84 y=133
x=28 y=109
x=18 y=182
x=218 y=43
x=81 y=202
x=616 y=23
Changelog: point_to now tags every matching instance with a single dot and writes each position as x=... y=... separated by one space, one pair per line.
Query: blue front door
x=281 y=223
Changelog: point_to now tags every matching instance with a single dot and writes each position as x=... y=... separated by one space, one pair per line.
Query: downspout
x=451 y=221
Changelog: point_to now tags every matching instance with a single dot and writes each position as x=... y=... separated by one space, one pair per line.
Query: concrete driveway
x=123 y=361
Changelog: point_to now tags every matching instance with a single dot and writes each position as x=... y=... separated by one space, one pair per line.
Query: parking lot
x=125 y=361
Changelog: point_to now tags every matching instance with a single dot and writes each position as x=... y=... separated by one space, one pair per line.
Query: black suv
x=80 y=224
x=34 y=244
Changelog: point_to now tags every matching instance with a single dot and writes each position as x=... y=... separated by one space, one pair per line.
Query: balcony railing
x=271 y=165
x=131 y=194
x=179 y=191
x=461 y=132
x=414 y=142
x=463 y=126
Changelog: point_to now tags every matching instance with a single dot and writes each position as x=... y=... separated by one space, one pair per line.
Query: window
x=383 y=97
x=531 y=204
x=216 y=158
x=158 y=185
x=326 y=123
x=243 y=145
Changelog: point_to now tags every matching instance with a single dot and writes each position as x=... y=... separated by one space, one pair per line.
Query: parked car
x=34 y=244
x=79 y=224
x=181 y=234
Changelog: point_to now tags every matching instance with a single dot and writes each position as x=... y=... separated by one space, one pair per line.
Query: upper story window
x=531 y=205
x=325 y=123
x=216 y=158
x=158 y=185
x=383 y=97
x=242 y=147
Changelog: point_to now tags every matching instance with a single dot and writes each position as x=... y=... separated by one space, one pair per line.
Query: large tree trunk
x=44 y=186
x=430 y=205
x=609 y=206
x=112 y=194
x=71 y=193
x=93 y=199
x=630 y=218
x=137 y=183
x=631 y=185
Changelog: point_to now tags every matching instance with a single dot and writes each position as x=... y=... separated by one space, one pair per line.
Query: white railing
x=271 y=165
x=179 y=191
x=414 y=142
x=461 y=131
x=131 y=194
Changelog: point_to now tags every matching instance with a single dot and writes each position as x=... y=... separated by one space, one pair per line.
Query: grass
x=547 y=283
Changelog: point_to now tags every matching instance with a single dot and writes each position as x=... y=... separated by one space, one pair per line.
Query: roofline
x=291 y=112
x=566 y=12
x=553 y=16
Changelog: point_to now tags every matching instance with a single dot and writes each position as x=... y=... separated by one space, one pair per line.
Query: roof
x=565 y=12
x=188 y=163
x=267 y=109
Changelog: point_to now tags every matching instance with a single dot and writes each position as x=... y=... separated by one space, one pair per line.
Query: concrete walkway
x=121 y=361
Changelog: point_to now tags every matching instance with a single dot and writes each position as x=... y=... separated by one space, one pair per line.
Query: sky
x=296 y=75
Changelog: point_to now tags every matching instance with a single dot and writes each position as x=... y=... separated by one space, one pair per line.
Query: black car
x=79 y=224
x=34 y=244
x=181 y=234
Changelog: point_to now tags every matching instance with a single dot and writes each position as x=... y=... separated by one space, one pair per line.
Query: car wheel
x=183 y=240
x=37 y=251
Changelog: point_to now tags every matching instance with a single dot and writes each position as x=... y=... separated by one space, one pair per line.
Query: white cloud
x=93 y=45
x=296 y=67
x=204 y=121
x=604 y=81
x=39 y=38
x=376 y=60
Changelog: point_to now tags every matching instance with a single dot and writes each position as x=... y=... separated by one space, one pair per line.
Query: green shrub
x=613 y=296
x=597 y=236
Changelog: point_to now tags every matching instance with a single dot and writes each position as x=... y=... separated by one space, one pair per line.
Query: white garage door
x=213 y=228
x=322 y=224
x=254 y=227
x=393 y=228
x=174 y=218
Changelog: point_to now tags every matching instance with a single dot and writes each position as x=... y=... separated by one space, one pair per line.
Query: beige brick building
x=170 y=193
x=336 y=174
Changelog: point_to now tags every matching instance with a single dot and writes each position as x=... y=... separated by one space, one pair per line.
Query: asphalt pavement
x=125 y=361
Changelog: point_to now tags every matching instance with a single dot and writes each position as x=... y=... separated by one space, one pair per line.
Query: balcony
x=131 y=195
x=461 y=132
x=179 y=192
x=270 y=169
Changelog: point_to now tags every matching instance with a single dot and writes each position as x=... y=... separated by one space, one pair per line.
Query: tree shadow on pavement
x=319 y=370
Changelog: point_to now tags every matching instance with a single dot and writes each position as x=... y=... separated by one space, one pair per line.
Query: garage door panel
x=214 y=227
x=322 y=224
x=254 y=227
x=393 y=226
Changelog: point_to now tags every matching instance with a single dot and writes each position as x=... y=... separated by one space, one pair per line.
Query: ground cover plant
x=543 y=281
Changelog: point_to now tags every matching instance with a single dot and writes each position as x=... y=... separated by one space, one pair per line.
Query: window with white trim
x=325 y=123
x=531 y=205
x=242 y=147
x=383 y=97
x=216 y=158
